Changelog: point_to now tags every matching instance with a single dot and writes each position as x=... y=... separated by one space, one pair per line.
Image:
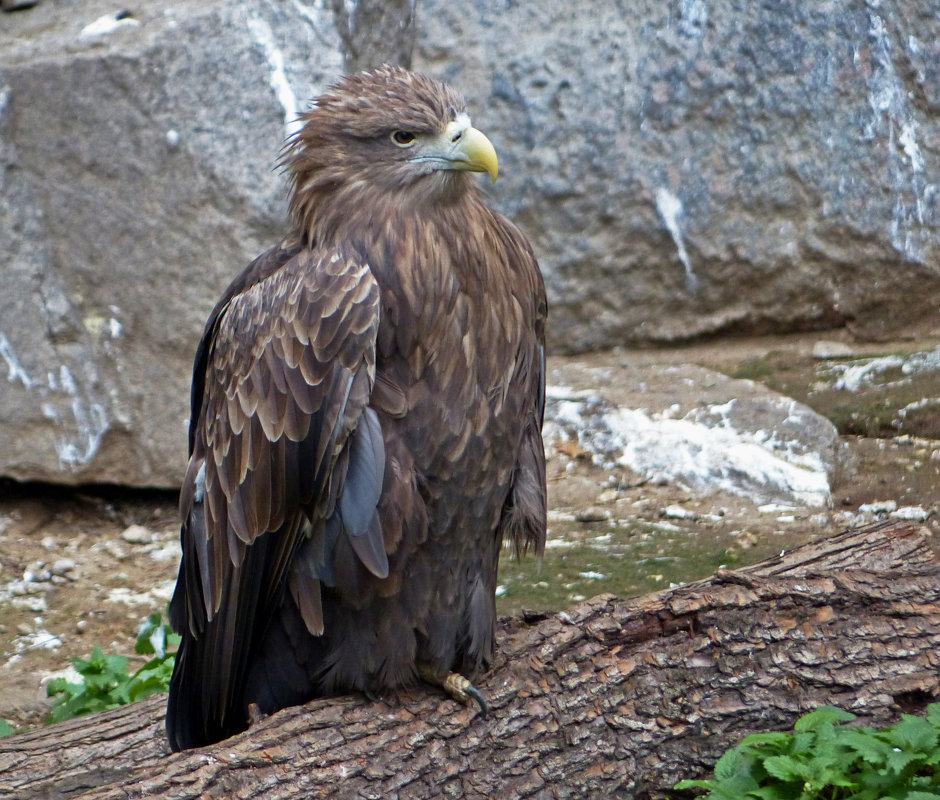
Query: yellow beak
x=460 y=147
x=472 y=151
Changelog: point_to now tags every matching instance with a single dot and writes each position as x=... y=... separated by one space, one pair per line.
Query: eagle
x=365 y=431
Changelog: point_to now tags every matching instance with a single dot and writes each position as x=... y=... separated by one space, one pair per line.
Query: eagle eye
x=403 y=138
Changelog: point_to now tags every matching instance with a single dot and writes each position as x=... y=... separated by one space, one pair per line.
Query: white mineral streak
x=670 y=209
x=693 y=450
x=914 y=217
x=85 y=421
x=264 y=37
x=106 y=25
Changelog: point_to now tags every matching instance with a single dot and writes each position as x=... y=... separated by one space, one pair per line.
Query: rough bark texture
x=614 y=698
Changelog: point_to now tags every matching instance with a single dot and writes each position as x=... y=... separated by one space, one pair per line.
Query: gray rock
x=136 y=178
x=699 y=429
x=66 y=568
x=824 y=350
x=592 y=514
x=694 y=167
x=915 y=513
x=137 y=534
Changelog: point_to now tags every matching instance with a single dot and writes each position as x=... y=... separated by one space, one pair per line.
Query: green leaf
x=913 y=733
x=693 y=784
x=825 y=759
x=6 y=729
x=864 y=743
x=933 y=714
x=775 y=791
x=787 y=768
x=764 y=744
x=151 y=625
x=57 y=686
x=898 y=760
x=105 y=682
x=152 y=678
x=824 y=715
x=731 y=764
x=735 y=788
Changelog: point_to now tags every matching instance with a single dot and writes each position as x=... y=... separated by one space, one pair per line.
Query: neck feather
x=328 y=208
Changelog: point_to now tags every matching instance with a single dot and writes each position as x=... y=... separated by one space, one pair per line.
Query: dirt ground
x=80 y=568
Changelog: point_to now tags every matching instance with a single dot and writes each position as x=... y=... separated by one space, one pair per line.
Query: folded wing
x=285 y=453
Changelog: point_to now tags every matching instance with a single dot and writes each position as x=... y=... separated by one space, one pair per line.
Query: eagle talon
x=457 y=686
x=477 y=695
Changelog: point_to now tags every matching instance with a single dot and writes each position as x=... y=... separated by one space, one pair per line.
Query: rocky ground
x=80 y=568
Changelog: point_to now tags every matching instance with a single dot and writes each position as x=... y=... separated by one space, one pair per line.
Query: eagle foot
x=457 y=686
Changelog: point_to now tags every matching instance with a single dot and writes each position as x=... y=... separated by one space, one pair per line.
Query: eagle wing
x=284 y=451
x=524 y=518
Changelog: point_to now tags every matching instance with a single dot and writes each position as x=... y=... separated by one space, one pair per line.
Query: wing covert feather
x=278 y=406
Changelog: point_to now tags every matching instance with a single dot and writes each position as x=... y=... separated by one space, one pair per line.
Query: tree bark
x=611 y=699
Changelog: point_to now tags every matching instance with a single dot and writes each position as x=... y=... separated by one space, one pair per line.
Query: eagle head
x=384 y=134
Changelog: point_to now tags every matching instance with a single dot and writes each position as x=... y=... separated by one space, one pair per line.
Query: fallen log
x=613 y=698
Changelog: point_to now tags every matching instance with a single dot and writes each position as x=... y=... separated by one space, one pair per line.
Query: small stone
x=912 y=513
x=592 y=514
x=677 y=512
x=878 y=507
x=62 y=566
x=607 y=496
x=709 y=517
x=37 y=605
x=826 y=349
x=137 y=534
x=36 y=573
x=745 y=539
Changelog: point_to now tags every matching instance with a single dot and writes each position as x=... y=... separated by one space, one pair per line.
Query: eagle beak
x=459 y=147
x=474 y=152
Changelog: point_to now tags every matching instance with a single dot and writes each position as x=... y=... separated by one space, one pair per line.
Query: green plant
x=827 y=759
x=105 y=682
x=6 y=729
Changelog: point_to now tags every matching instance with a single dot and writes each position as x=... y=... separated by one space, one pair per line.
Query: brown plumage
x=366 y=422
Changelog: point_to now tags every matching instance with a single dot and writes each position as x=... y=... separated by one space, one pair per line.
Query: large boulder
x=685 y=425
x=694 y=167
x=137 y=160
x=685 y=170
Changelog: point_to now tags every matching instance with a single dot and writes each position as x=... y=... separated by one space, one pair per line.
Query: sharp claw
x=477 y=695
x=457 y=686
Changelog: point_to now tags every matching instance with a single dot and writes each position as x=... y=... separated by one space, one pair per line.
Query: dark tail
x=188 y=722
